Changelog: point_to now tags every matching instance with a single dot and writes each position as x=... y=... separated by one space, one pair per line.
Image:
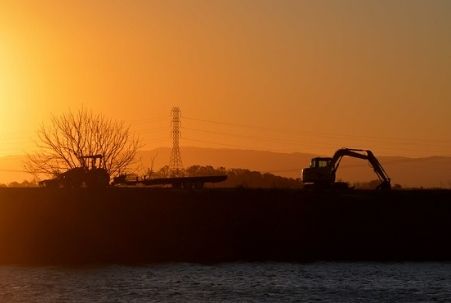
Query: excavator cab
x=320 y=171
x=320 y=162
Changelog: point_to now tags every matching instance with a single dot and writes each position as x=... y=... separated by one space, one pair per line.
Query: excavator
x=89 y=174
x=322 y=170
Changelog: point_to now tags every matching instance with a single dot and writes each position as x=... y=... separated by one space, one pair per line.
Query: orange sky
x=307 y=76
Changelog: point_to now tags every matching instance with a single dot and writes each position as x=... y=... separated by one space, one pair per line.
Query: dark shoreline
x=139 y=225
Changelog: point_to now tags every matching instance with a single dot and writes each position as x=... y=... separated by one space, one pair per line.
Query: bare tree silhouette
x=64 y=141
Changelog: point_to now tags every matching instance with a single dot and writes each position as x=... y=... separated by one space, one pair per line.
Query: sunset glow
x=288 y=76
x=225 y=151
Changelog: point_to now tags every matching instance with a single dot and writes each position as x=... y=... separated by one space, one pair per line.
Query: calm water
x=246 y=282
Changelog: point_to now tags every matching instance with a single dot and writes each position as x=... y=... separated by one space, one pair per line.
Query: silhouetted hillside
x=409 y=172
x=282 y=164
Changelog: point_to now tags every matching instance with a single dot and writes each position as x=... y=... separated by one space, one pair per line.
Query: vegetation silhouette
x=69 y=139
x=236 y=177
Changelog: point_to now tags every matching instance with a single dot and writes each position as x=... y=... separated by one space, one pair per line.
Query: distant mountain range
x=409 y=172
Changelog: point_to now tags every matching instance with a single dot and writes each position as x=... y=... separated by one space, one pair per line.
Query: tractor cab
x=91 y=173
x=90 y=162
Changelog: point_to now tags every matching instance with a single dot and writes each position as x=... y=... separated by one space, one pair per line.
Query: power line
x=307 y=141
x=237 y=135
x=214 y=143
x=323 y=134
x=268 y=139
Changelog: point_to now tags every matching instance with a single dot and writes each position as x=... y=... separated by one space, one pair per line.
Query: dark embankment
x=122 y=225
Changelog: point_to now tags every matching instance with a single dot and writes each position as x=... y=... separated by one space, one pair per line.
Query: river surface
x=232 y=282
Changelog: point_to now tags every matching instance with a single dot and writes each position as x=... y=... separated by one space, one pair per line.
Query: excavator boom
x=322 y=171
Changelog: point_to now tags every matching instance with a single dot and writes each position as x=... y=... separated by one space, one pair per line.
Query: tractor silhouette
x=91 y=174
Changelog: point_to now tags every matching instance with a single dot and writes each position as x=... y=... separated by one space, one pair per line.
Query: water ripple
x=235 y=282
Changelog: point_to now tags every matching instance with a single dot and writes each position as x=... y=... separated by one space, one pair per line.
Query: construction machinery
x=90 y=174
x=322 y=170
